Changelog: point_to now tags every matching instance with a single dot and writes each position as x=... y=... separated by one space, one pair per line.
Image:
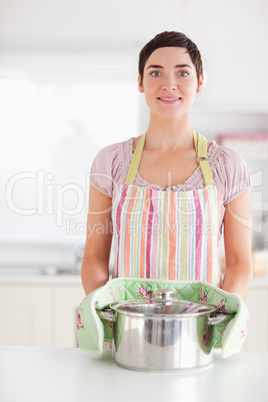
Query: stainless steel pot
x=163 y=333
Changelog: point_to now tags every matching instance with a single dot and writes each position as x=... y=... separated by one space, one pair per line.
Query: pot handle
x=107 y=314
x=219 y=318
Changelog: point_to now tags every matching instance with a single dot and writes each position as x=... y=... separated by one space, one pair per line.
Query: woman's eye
x=183 y=73
x=155 y=74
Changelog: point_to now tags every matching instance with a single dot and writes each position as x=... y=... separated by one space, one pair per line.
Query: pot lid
x=163 y=304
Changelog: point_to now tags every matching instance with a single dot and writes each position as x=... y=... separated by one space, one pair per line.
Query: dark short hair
x=171 y=39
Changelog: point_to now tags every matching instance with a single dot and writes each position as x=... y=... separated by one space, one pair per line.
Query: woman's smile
x=169 y=100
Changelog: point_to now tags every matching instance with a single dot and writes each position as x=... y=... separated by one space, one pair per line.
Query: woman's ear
x=200 y=85
x=140 y=84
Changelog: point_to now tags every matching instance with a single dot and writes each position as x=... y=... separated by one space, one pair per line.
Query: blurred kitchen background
x=68 y=87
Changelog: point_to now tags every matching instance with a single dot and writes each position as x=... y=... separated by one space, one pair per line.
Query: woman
x=168 y=193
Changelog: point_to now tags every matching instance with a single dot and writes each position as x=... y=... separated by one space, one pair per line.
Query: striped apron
x=167 y=234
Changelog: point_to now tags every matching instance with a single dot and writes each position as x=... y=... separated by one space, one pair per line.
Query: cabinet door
x=257 y=337
x=25 y=315
x=65 y=303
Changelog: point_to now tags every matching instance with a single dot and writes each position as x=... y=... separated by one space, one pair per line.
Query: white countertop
x=31 y=374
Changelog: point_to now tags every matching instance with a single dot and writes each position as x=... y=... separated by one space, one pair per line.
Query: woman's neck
x=169 y=135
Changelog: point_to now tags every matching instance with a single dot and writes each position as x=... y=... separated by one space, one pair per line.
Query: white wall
x=87 y=21
x=231 y=35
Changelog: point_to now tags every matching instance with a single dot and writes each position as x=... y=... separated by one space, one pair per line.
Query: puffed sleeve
x=235 y=174
x=104 y=169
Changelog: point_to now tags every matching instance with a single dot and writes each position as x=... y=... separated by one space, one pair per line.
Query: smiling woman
x=168 y=192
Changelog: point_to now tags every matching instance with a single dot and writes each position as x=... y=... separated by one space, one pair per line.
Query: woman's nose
x=169 y=85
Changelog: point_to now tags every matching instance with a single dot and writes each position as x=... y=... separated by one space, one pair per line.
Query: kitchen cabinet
x=65 y=302
x=25 y=315
x=39 y=315
x=257 y=304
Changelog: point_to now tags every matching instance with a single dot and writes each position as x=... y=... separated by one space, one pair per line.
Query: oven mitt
x=93 y=331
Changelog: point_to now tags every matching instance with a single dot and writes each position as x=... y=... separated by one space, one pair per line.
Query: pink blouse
x=230 y=172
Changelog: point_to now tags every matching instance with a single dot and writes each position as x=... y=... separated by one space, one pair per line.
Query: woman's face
x=170 y=82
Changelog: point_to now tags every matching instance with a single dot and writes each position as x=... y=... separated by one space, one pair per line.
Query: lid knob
x=164 y=294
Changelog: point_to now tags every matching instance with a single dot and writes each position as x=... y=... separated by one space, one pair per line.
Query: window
x=53 y=122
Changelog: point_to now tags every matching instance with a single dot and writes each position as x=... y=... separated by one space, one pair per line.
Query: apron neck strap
x=135 y=161
x=201 y=156
x=201 y=152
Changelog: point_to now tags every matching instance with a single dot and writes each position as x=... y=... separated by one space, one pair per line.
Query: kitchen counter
x=68 y=374
x=36 y=275
x=50 y=279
